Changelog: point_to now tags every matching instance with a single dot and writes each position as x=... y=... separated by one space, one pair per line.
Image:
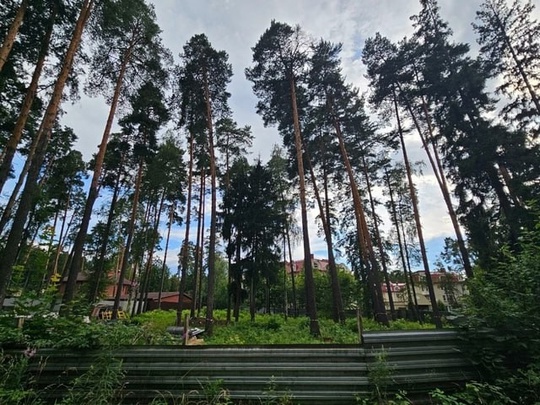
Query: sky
x=235 y=27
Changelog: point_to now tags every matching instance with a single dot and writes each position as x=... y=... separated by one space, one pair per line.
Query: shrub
x=502 y=321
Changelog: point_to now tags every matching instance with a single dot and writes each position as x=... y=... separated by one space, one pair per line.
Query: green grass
x=275 y=329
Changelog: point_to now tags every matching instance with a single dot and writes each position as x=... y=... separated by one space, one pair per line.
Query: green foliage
x=212 y=391
x=43 y=328
x=215 y=394
x=380 y=376
x=268 y=329
x=156 y=321
x=396 y=399
x=253 y=221
x=14 y=388
x=349 y=286
x=271 y=329
x=505 y=300
x=275 y=329
x=9 y=332
x=73 y=333
x=473 y=394
x=502 y=323
x=272 y=395
x=99 y=385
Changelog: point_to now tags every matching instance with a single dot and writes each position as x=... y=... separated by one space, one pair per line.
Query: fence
x=417 y=361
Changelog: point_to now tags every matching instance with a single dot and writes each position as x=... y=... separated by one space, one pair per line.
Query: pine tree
x=43 y=136
x=509 y=36
x=127 y=50
x=11 y=35
x=280 y=59
x=203 y=79
x=476 y=150
x=141 y=124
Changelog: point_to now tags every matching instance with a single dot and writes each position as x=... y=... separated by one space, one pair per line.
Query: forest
x=180 y=161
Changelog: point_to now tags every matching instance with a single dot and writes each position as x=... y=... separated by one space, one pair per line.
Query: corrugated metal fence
x=417 y=361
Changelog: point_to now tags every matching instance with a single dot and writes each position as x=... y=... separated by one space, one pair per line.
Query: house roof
x=155 y=295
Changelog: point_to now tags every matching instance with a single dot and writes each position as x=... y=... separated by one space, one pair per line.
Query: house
x=110 y=289
x=448 y=288
x=169 y=300
x=297 y=266
x=109 y=293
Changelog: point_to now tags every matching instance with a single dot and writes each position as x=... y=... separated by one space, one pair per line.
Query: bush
x=502 y=323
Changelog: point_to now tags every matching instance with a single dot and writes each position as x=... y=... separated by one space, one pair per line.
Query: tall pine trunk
x=437 y=167
x=152 y=246
x=211 y=282
x=414 y=200
x=11 y=145
x=164 y=267
x=379 y=241
x=338 y=315
x=184 y=250
x=78 y=245
x=293 y=268
x=100 y=267
x=311 y=307
x=393 y=214
x=364 y=239
x=9 y=40
x=61 y=238
x=129 y=240
x=198 y=248
x=30 y=190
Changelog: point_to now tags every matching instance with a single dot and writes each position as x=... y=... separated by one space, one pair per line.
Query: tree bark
x=129 y=240
x=164 y=267
x=338 y=314
x=185 y=244
x=311 y=307
x=393 y=212
x=100 y=266
x=438 y=170
x=78 y=245
x=379 y=241
x=211 y=282
x=11 y=145
x=238 y=289
x=61 y=237
x=150 y=258
x=198 y=244
x=412 y=191
x=44 y=133
x=364 y=239
x=293 y=268
x=9 y=40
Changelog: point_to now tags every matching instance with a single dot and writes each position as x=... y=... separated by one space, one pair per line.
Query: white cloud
x=236 y=25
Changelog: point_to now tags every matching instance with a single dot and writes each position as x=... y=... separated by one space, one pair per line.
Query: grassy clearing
x=275 y=329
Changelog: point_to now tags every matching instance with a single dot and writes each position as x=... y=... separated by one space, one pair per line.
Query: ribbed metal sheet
x=310 y=374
